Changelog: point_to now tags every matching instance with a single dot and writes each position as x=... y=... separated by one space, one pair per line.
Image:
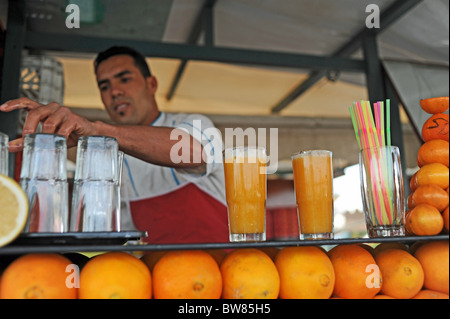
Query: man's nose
x=117 y=90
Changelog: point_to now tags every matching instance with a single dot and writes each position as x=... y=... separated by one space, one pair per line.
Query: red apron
x=186 y=215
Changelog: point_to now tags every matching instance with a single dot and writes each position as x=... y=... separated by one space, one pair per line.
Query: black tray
x=78 y=238
x=85 y=242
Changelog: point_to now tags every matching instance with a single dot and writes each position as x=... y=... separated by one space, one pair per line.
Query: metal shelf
x=26 y=249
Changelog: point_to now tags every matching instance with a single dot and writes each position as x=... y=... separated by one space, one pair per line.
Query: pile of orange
x=354 y=271
x=428 y=201
x=189 y=274
x=115 y=275
x=249 y=274
x=38 y=276
x=305 y=273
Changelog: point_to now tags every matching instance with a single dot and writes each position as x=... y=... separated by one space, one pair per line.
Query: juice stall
x=292 y=96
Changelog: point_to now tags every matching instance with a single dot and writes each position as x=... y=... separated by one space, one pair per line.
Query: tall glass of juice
x=313 y=182
x=246 y=192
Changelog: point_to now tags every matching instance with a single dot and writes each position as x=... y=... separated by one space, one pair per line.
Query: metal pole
x=396 y=129
x=12 y=60
x=374 y=71
x=380 y=89
x=389 y=16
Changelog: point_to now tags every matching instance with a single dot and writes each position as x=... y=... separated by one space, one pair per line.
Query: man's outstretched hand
x=55 y=119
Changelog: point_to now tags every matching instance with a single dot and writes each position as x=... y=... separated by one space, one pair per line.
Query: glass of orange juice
x=246 y=192
x=313 y=183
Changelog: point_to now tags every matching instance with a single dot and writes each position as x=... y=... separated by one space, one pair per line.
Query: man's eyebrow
x=118 y=75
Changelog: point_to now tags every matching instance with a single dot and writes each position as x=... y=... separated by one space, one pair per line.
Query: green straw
x=390 y=180
x=355 y=126
x=367 y=122
x=373 y=131
x=388 y=121
x=382 y=123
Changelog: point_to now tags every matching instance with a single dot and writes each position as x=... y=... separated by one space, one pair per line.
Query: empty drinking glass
x=43 y=177
x=96 y=192
x=3 y=154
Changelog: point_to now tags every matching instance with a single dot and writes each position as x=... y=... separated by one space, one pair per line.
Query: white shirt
x=141 y=180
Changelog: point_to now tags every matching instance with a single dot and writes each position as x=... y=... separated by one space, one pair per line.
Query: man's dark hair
x=138 y=58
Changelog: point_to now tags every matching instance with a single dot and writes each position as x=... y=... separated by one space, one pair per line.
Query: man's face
x=128 y=97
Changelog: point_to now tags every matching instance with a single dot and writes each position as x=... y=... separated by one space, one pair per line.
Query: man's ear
x=152 y=84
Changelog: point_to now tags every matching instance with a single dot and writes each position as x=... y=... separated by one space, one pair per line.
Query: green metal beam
x=387 y=17
x=374 y=72
x=79 y=43
x=205 y=20
x=12 y=59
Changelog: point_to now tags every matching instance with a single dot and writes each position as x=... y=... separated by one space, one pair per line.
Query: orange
x=410 y=202
x=432 y=195
x=249 y=274
x=383 y=297
x=445 y=216
x=412 y=182
x=272 y=252
x=434 y=151
x=425 y=220
x=77 y=258
x=436 y=128
x=354 y=268
x=218 y=255
x=5 y=260
x=430 y=294
x=150 y=259
x=306 y=272
x=408 y=229
x=187 y=274
x=115 y=275
x=14 y=210
x=433 y=256
x=368 y=247
x=384 y=246
x=434 y=173
x=403 y=275
x=414 y=247
x=38 y=276
x=435 y=104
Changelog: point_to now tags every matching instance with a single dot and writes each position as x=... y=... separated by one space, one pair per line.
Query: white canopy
x=414 y=47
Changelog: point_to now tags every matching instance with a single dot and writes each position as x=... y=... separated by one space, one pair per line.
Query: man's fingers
x=22 y=103
x=66 y=130
x=55 y=119
x=37 y=115
x=16 y=145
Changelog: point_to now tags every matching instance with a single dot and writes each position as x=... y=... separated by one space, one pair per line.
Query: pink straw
x=367 y=151
x=377 y=108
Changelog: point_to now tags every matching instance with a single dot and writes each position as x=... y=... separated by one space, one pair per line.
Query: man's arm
x=151 y=144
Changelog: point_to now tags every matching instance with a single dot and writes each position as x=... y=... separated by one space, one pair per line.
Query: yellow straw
x=355 y=126
x=375 y=180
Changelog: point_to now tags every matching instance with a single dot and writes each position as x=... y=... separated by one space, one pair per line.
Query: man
x=176 y=201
